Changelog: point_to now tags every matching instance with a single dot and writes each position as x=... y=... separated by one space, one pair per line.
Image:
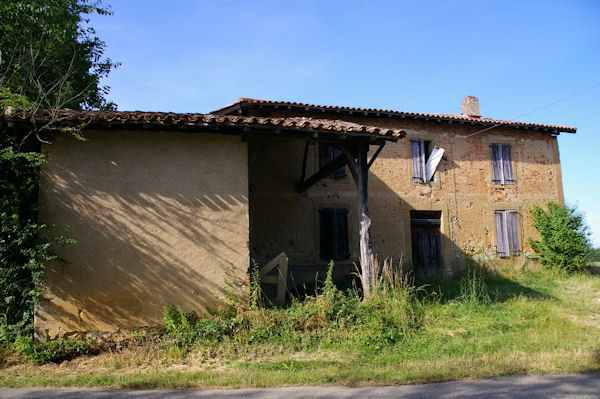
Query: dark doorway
x=426 y=241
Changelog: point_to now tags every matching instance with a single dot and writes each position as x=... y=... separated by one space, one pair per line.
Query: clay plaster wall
x=462 y=190
x=158 y=218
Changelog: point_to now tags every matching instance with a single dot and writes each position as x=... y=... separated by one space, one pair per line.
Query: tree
x=50 y=54
x=564 y=237
x=49 y=58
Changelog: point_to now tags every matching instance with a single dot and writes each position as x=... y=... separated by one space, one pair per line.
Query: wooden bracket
x=325 y=171
x=374 y=157
x=304 y=158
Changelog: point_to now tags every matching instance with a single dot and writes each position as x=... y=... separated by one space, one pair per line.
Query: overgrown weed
x=328 y=318
x=473 y=285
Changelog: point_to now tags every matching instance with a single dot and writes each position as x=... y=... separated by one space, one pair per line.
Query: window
x=328 y=154
x=507 y=233
x=424 y=160
x=419 y=149
x=502 y=172
x=333 y=226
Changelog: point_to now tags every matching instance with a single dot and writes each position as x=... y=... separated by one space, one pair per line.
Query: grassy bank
x=485 y=324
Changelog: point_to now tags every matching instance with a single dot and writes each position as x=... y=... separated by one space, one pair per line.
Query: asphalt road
x=555 y=386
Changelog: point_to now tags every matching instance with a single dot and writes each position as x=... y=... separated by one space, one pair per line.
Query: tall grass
x=473 y=285
x=330 y=317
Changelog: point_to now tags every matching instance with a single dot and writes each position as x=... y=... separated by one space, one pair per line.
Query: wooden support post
x=364 y=219
x=359 y=166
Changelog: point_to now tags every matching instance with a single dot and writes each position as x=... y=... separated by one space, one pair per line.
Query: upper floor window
x=328 y=154
x=425 y=160
x=333 y=226
x=502 y=172
x=507 y=233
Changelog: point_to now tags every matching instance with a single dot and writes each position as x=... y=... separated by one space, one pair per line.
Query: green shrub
x=564 y=237
x=186 y=328
x=53 y=351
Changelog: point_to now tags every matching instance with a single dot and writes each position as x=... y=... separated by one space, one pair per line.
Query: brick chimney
x=470 y=107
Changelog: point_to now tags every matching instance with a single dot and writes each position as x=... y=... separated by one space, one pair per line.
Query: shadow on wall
x=154 y=225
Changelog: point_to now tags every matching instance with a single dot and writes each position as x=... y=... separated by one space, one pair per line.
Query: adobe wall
x=158 y=217
x=462 y=190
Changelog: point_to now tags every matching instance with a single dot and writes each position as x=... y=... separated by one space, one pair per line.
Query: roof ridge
x=483 y=120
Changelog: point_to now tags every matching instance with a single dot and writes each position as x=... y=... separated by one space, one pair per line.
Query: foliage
x=53 y=351
x=25 y=244
x=564 y=237
x=595 y=255
x=51 y=55
x=255 y=299
x=22 y=252
x=49 y=58
x=185 y=328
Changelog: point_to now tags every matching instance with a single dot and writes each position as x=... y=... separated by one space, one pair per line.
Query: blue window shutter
x=507 y=171
x=495 y=153
x=501 y=234
x=327 y=234
x=513 y=231
x=342 y=249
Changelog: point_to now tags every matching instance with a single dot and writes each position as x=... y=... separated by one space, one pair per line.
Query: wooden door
x=426 y=244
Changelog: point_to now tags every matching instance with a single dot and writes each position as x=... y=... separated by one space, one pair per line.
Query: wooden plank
x=269 y=266
x=282 y=280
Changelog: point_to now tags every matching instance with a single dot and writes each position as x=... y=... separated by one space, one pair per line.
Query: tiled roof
x=120 y=119
x=383 y=112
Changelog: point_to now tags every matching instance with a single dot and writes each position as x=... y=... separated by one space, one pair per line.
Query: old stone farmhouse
x=165 y=206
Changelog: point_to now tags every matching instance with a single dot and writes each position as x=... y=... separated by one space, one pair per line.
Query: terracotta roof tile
x=414 y=115
x=121 y=118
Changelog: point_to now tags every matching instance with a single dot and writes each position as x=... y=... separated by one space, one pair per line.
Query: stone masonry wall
x=462 y=190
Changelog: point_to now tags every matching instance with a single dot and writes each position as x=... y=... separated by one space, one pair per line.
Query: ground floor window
x=507 y=233
x=333 y=227
x=426 y=240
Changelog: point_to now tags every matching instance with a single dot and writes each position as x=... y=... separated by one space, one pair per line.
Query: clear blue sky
x=423 y=56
